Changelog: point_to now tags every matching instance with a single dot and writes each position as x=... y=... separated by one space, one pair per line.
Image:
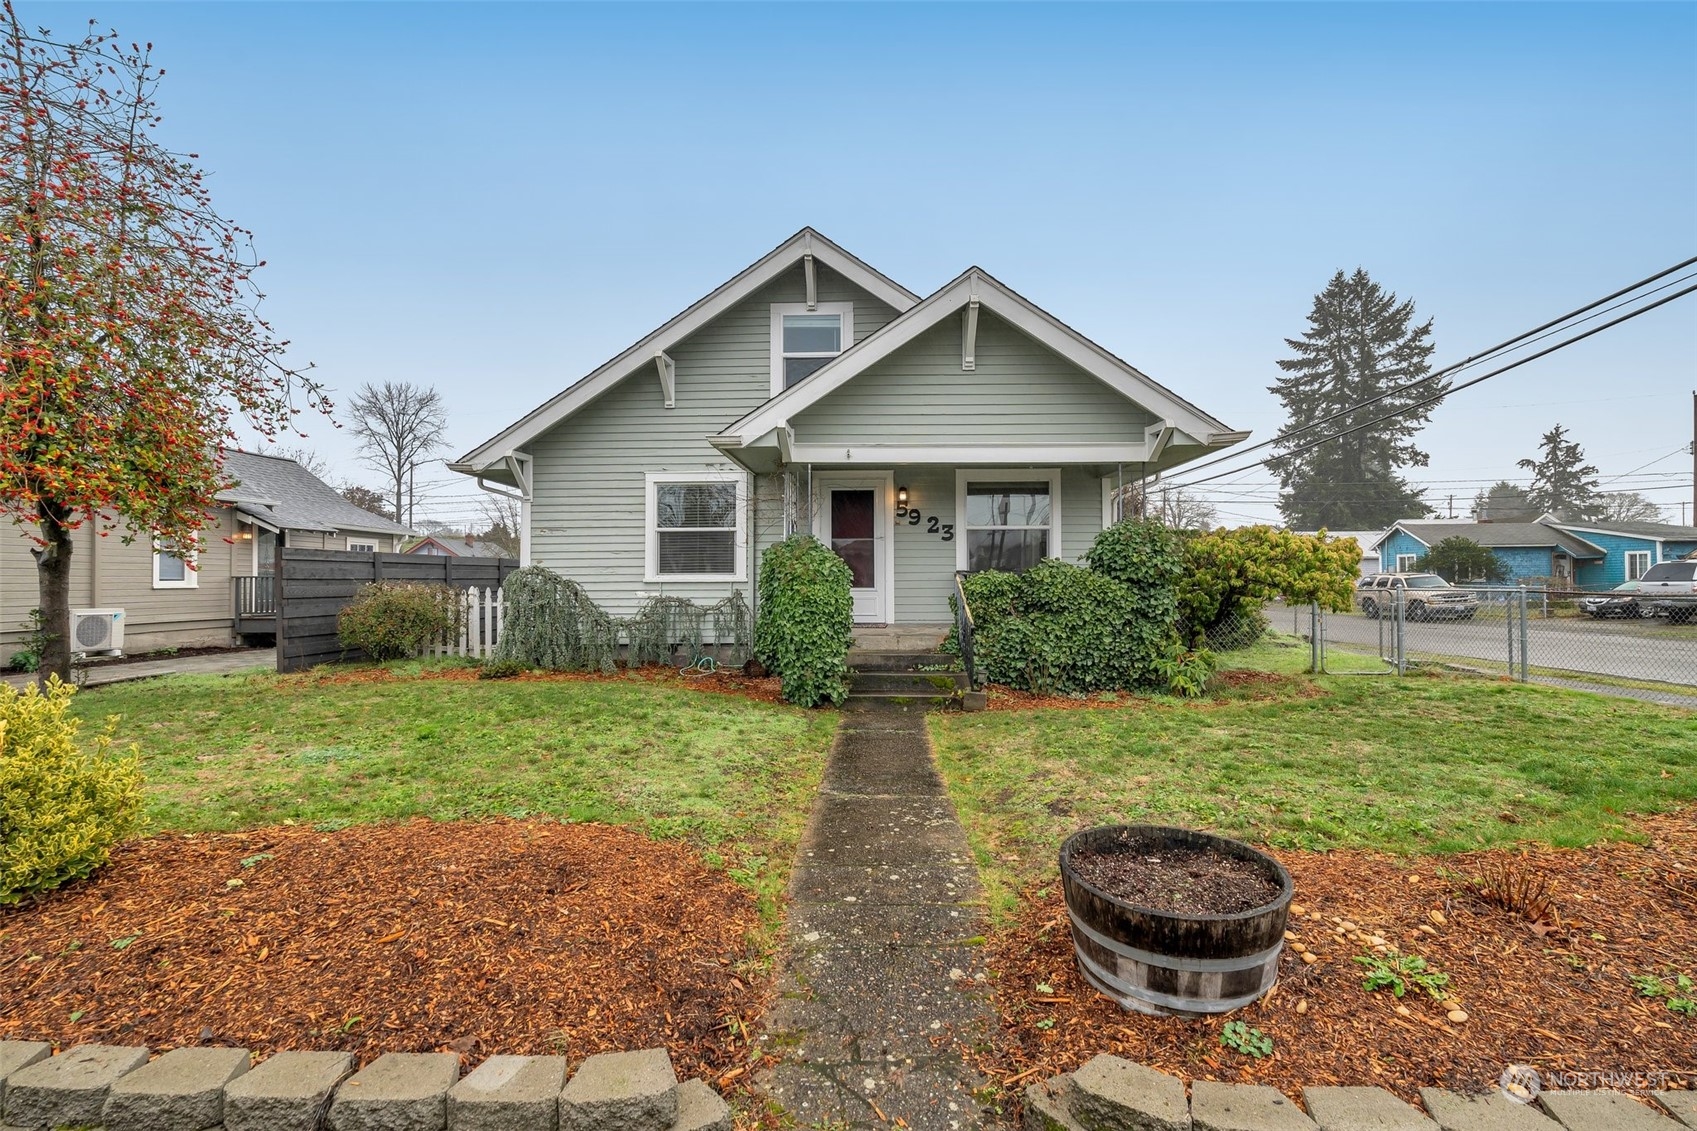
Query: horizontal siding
x=1020 y=392
x=587 y=517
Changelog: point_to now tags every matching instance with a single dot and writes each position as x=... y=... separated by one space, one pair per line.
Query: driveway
x=222 y=663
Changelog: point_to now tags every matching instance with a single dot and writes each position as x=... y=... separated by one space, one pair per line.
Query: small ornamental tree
x=1457 y=559
x=129 y=338
x=1230 y=574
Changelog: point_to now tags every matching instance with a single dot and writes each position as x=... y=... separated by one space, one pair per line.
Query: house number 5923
x=933 y=525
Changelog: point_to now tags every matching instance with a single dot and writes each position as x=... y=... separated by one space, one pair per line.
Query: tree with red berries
x=130 y=341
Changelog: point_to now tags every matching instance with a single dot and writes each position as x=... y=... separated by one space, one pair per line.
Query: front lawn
x=734 y=777
x=1417 y=764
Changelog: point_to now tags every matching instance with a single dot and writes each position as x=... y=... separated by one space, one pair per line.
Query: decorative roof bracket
x=668 y=376
x=807 y=269
x=969 y=332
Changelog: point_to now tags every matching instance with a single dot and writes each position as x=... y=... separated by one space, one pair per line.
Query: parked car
x=1427 y=596
x=1624 y=600
x=1673 y=588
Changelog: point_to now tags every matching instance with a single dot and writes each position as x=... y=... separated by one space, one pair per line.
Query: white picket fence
x=482 y=615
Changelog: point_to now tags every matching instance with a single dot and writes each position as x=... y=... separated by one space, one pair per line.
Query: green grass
x=1418 y=764
x=228 y=752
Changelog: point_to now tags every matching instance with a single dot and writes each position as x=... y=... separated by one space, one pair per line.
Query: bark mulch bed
x=478 y=938
x=1232 y=686
x=766 y=689
x=1555 y=994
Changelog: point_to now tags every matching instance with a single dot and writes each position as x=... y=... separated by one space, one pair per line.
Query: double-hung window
x=174 y=567
x=1010 y=520
x=1405 y=562
x=696 y=526
x=1637 y=563
x=805 y=340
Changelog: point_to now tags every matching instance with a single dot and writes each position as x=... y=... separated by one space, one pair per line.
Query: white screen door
x=851 y=522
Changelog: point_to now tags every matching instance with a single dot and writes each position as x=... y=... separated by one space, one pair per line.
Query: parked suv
x=1426 y=596
x=1671 y=586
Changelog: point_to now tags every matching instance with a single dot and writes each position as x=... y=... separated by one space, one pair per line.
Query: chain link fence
x=1598 y=642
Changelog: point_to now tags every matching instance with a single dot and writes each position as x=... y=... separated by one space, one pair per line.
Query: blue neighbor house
x=1585 y=555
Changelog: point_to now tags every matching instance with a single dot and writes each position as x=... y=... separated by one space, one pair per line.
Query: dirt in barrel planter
x=1176 y=881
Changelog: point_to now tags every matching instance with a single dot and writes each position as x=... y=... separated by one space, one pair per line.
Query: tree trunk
x=53 y=566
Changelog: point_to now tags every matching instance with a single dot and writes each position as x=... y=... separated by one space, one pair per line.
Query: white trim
x=1409 y=558
x=965 y=453
x=1017 y=311
x=885 y=481
x=650 y=538
x=365 y=540
x=845 y=329
x=989 y=474
x=191 y=571
x=703 y=311
x=1627 y=556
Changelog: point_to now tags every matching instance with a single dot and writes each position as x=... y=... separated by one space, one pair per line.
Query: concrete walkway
x=881 y=986
x=223 y=663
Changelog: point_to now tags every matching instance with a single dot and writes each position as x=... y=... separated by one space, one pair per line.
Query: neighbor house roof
x=456 y=546
x=1499 y=536
x=1661 y=531
x=281 y=494
x=975 y=285
x=786 y=255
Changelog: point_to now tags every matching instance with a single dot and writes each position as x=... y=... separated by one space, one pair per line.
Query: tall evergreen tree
x=1504 y=502
x=1359 y=343
x=1563 y=484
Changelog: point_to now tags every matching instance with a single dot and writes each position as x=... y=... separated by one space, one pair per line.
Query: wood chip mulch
x=1231 y=686
x=1556 y=995
x=479 y=938
x=765 y=689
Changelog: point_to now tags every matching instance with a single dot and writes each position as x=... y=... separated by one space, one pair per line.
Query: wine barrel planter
x=1173 y=964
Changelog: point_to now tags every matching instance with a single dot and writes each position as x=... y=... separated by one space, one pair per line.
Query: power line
x=1561 y=345
x=1537 y=333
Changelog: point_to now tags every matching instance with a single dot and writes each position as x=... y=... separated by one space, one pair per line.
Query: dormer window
x=805 y=340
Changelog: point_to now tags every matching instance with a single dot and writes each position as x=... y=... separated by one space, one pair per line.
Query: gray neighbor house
x=916 y=436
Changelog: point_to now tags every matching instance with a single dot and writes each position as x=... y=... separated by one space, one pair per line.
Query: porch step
x=906 y=683
x=871 y=660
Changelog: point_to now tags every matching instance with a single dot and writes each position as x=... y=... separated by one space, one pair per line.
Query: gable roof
x=1012 y=307
x=756 y=275
x=282 y=494
x=456 y=546
x=1660 y=531
x=1499 y=536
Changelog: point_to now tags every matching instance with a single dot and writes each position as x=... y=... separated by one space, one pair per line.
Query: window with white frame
x=362 y=543
x=696 y=526
x=1405 y=562
x=174 y=567
x=1637 y=563
x=805 y=340
x=1010 y=520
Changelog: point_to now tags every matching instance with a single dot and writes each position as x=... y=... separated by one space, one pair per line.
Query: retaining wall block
x=631 y=1091
x=1244 y=1107
x=509 y=1093
x=700 y=1108
x=1108 y=1093
x=1490 y=1112
x=68 y=1088
x=399 y=1091
x=15 y=1055
x=1362 y=1109
x=181 y=1091
x=290 y=1091
x=1045 y=1109
x=1603 y=1111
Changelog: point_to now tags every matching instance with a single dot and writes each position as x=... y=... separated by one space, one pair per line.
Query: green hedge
x=805 y=622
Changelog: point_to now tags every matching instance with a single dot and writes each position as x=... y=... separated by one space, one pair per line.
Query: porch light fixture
x=901 y=502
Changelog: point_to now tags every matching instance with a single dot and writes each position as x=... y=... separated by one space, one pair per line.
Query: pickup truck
x=1426 y=596
x=1671 y=586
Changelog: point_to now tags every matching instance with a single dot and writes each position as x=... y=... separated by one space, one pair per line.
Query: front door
x=851 y=522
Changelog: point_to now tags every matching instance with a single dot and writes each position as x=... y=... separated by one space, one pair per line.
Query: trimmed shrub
x=61 y=809
x=806 y=620
x=392 y=620
x=1230 y=574
x=1148 y=557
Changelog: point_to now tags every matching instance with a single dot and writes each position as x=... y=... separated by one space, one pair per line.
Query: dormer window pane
x=813 y=333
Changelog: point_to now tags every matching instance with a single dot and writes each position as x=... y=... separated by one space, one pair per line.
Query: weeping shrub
x=806 y=620
x=61 y=808
x=392 y=620
x=550 y=622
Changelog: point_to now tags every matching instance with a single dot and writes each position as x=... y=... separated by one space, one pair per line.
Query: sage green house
x=916 y=436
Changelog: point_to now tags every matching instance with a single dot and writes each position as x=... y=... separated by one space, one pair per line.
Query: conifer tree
x=1359 y=343
x=1563 y=484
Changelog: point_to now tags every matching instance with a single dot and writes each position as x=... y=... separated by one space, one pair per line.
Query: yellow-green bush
x=61 y=808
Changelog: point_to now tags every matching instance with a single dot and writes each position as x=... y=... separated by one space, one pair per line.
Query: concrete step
x=906 y=682
x=867 y=660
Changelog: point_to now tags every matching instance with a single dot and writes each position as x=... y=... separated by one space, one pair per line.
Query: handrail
x=256 y=596
x=964 y=628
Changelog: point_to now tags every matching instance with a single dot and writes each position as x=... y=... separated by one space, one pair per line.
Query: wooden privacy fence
x=314 y=586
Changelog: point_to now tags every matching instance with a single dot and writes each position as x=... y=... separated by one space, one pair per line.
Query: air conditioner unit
x=97 y=630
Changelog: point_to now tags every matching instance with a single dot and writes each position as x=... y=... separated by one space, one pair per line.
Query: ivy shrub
x=1230 y=574
x=806 y=620
x=61 y=808
x=392 y=620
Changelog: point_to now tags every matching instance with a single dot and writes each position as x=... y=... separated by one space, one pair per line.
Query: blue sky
x=495 y=198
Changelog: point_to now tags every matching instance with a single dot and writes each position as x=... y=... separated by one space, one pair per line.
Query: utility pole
x=1693 y=460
